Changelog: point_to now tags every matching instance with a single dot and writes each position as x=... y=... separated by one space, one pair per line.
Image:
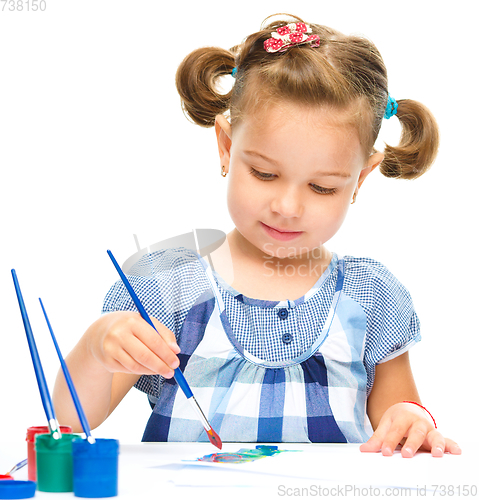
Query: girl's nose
x=287 y=202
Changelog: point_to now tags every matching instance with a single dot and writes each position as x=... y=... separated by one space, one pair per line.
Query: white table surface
x=162 y=470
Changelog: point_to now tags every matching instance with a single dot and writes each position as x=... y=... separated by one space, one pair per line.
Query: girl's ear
x=223 y=137
x=373 y=162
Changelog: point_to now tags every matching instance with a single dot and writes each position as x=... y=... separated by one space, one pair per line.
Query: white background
x=94 y=148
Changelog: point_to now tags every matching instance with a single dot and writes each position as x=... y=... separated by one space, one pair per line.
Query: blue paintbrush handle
x=69 y=381
x=37 y=365
x=181 y=381
x=179 y=377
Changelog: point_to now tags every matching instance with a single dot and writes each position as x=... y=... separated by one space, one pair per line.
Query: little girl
x=303 y=345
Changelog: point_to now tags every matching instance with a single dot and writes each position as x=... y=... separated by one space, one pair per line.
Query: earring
x=354 y=197
x=223 y=173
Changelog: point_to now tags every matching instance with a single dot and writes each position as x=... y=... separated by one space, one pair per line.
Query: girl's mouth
x=280 y=234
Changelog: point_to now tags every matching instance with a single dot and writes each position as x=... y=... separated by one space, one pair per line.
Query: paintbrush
x=17 y=467
x=69 y=381
x=179 y=377
x=37 y=365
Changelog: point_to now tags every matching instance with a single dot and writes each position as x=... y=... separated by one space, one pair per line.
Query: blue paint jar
x=95 y=468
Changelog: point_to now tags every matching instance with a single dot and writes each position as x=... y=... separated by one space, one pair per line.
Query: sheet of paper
x=313 y=466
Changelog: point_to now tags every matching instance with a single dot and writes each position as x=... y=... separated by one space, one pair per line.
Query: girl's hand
x=123 y=342
x=406 y=420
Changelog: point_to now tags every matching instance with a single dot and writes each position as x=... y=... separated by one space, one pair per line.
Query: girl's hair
x=344 y=73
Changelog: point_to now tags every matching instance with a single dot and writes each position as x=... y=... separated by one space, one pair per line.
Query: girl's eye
x=321 y=190
x=266 y=177
x=261 y=175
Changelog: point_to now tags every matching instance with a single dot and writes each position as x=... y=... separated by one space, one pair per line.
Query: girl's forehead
x=310 y=119
x=286 y=130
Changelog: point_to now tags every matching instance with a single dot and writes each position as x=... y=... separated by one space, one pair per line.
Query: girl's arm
x=396 y=422
x=108 y=360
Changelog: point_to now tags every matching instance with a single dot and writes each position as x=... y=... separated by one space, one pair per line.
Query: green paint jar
x=54 y=462
x=32 y=459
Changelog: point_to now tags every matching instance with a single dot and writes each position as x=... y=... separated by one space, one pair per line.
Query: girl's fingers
x=372 y=445
x=129 y=365
x=159 y=341
x=114 y=365
x=143 y=360
x=167 y=335
x=157 y=345
x=393 y=438
x=419 y=434
x=417 y=431
x=438 y=444
x=131 y=345
x=375 y=442
x=452 y=447
x=118 y=360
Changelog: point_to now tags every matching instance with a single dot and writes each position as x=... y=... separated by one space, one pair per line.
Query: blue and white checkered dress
x=270 y=371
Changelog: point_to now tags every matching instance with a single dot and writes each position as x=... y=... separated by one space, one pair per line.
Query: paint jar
x=31 y=433
x=95 y=468
x=54 y=462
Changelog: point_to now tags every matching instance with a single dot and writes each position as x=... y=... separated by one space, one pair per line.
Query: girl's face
x=292 y=176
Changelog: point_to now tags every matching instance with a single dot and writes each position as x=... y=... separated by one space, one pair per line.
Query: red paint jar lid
x=44 y=429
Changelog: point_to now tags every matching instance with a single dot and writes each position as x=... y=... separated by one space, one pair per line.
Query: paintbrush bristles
x=214 y=439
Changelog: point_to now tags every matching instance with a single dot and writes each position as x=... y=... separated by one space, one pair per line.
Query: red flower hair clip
x=291 y=34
